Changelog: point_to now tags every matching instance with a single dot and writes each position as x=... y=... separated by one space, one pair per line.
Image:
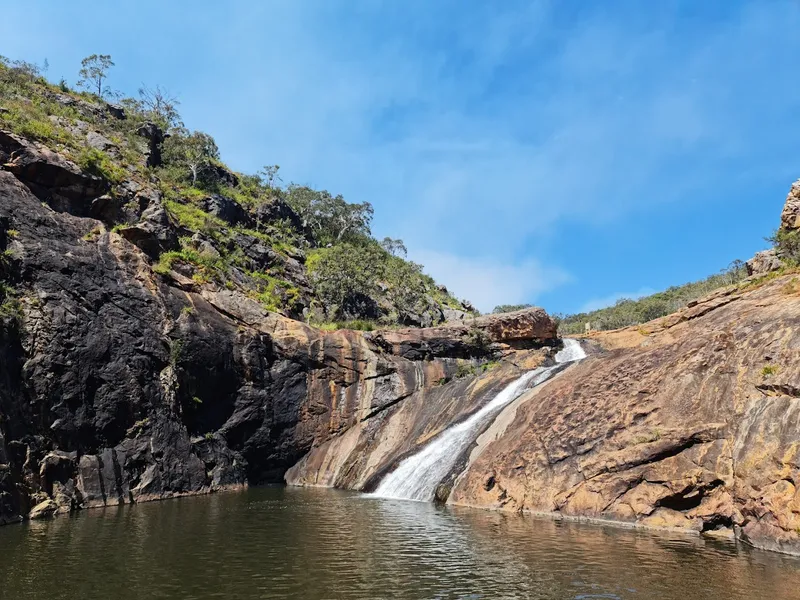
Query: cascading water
x=417 y=476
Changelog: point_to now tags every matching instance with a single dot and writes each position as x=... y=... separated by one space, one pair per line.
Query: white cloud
x=612 y=299
x=488 y=282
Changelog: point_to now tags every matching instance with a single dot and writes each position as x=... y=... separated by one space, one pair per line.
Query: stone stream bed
x=277 y=542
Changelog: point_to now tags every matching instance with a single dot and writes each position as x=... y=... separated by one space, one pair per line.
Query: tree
x=346 y=276
x=405 y=287
x=160 y=106
x=350 y=218
x=394 y=247
x=330 y=219
x=271 y=177
x=94 y=72
x=194 y=152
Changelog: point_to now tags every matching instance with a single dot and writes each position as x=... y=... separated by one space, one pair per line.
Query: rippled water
x=324 y=544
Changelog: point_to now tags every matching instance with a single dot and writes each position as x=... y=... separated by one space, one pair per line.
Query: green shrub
x=194 y=218
x=100 y=164
x=203 y=261
x=175 y=351
x=787 y=243
x=769 y=370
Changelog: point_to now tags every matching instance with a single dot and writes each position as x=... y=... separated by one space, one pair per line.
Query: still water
x=323 y=544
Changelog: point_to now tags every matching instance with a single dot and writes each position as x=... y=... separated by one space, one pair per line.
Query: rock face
x=692 y=421
x=790 y=217
x=52 y=178
x=119 y=385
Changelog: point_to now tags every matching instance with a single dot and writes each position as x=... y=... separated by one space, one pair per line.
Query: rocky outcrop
x=155 y=137
x=790 y=217
x=692 y=421
x=478 y=336
x=763 y=262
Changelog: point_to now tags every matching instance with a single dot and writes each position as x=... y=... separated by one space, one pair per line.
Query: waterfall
x=417 y=476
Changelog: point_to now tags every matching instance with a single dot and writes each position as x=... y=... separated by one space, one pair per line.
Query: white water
x=417 y=476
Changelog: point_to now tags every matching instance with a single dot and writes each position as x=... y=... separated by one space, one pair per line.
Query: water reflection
x=322 y=544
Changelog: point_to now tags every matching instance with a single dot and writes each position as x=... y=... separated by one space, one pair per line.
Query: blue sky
x=559 y=153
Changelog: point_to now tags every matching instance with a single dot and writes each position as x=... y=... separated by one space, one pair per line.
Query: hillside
x=300 y=252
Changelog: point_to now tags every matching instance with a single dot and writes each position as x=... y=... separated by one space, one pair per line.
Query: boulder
x=205 y=246
x=100 y=142
x=226 y=209
x=57 y=466
x=43 y=510
x=790 y=217
x=221 y=174
x=155 y=232
x=116 y=111
x=452 y=314
x=89 y=110
x=278 y=210
x=763 y=262
x=261 y=255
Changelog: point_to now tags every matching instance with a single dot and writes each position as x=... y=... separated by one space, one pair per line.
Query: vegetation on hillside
x=299 y=251
x=505 y=308
x=627 y=311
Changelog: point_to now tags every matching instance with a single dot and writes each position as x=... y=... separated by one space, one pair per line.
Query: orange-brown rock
x=692 y=421
x=520 y=329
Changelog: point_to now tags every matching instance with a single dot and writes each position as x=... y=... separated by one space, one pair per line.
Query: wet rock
x=43 y=510
x=442 y=493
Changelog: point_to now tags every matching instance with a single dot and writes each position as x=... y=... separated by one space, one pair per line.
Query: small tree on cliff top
x=94 y=72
